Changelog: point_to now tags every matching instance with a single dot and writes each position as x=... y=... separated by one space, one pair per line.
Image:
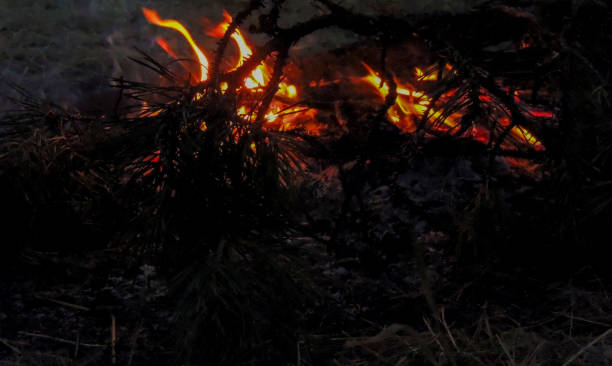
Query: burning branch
x=234 y=24
x=273 y=85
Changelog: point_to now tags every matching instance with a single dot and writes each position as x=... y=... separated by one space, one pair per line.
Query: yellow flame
x=421 y=75
x=258 y=77
x=271 y=116
x=258 y=74
x=245 y=50
x=409 y=103
x=289 y=91
x=376 y=81
x=239 y=40
x=154 y=18
x=523 y=134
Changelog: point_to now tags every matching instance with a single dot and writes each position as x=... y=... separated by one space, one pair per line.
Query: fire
x=261 y=75
x=376 y=81
x=410 y=107
x=243 y=47
x=426 y=77
x=279 y=113
x=542 y=114
x=258 y=78
x=410 y=104
x=289 y=91
x=154 y=18
x=523 y=135
x=166 y=47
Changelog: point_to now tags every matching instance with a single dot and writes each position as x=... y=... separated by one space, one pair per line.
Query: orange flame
x=410 y=104
x=154 y=18
x=243 y=47
x=258 y=78
x=166 y=47
x=260 y=74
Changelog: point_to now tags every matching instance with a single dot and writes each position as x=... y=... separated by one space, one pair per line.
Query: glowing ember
x=541 y=114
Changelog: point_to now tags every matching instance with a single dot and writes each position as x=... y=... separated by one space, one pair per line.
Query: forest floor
x=377 y=307
x=93 y=309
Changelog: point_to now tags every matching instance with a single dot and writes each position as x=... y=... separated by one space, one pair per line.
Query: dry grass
x=577 y=331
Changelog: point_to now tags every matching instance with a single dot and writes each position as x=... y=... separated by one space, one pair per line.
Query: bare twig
x=76 y=346
x=433 y=334
x=63 y=303
x=62 y=340
x=134 y=342
x=299 y=353
x=13 y=348
x=503 y=346
x=450 y=335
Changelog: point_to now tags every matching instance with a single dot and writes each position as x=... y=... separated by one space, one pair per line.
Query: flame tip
x=154 y=18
